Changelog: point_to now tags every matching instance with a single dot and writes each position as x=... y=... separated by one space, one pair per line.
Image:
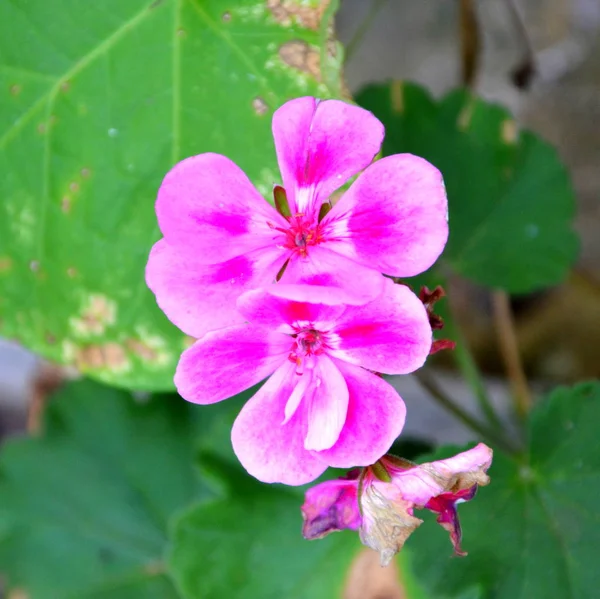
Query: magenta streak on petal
x=445 y=506
x=320 y=146
x=234 y=224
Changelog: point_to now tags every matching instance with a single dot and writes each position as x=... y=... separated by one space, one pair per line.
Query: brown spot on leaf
x=74 y=187
x=226 y=17
x=142 y=350
x=109 y=355
x=5 y=263
x=65 y=86
x=18 y=594
x=71 y=272
x=34 y=265
x=99 y=312
x=181 y=33
x=465 y=115
x=41 y=128
x=300 y=55
x=397 y=96
x=260 y=106
x=154 y=568
x=65 y=204
x=15 y=89
x=286 y=11
x=85 y=172
x=509 y=131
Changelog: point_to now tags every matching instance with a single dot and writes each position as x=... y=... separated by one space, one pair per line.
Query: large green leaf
x=248 y=545
x=84 y=509
x=534 y=532
x=511 y=202
x=99 y=100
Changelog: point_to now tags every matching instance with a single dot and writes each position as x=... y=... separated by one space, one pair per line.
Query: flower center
x=301 y=233
x=307 y=343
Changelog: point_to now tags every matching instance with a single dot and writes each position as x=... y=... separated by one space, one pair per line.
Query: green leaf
x=98 y=100
x=533 y=532
x=250 y=546
x=511 y=202
x=84 y=509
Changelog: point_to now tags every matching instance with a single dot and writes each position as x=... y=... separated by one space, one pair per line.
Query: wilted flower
x=383 y=498
x=221 y=238
x=322 y=405
x=332 y=505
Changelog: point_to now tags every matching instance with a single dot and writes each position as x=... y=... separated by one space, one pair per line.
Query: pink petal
x=352 y=282
x=272 y=308
x=320 y=145
x=327 y=403
x=422 y=482
x=376 y=415
x=477 y=458
x=330 y=506
x=268 y=450
x=226 y=362
x=394 y=217
x=389 y=335
x=208 y=207
x=445 y=506
x=197 y=297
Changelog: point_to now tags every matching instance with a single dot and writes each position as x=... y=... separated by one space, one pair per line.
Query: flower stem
x=353 y=44
x=525 y=70
x=463 y=358
x=465 y=361
x=430 y=384
x=470 y=44
x=509 y=349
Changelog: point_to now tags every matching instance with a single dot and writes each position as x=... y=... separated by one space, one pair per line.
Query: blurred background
x=558 y=329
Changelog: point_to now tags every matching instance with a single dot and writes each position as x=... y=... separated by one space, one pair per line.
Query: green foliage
x=510 y=199
x=249 y=545
x=97 y=101
x=85 y=508
x=534 y=531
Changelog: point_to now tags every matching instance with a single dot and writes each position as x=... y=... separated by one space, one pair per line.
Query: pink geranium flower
x=380 y=501
x=322 y=405
x=221 y=238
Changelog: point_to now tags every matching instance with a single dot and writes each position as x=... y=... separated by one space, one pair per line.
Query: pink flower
x=221 y=238
x=389 y=491
x=323 y=405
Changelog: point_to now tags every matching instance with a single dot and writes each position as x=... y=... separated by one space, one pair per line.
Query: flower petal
x=424 y=481
x=390 y=335
x=268 y=450
x=320 y=145
x=352 y=282
x=280 y=307
x=394 y=217
x=207 y=206
x=326 y=400
x=330 y=506
x=226 y=362
x=388 y=519
x=445 y=506
x=197 y=297
x=376 y=415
